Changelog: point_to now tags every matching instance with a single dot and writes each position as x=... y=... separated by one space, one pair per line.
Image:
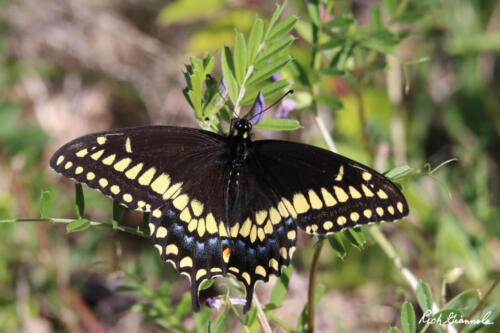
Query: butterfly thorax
x=239 y=142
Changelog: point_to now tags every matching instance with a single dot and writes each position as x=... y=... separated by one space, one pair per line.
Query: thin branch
x=129 y=230
x=312 y=279
x=359 y=73
x=261 y=317
x=480 y=304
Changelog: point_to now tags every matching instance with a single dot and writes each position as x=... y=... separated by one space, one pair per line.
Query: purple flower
x=217 y=302
x=238 y=301
x=258 y=108
x=214 y=302
x=276 y=76
x=223 y=89
x=285 y=107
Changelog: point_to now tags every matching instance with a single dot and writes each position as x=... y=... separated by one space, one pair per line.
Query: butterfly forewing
x=327 y=191
x=142 y=167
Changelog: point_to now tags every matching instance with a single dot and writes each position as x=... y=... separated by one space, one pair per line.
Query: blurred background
x=71 y=67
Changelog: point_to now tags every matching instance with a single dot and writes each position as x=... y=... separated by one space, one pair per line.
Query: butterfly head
x=240 y=128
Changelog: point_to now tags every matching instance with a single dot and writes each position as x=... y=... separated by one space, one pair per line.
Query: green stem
x=242 y=91
x=280 y=322
x=312 y=280
x=480 y=303
x=359 y=73
x=130 y=230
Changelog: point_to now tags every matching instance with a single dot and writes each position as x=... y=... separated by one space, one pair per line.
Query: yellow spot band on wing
x=109 y=160
x=186 y=262
x=340 y=175
x=134 y=171
x=300 y=203
x=340 y=193
x=160 y=184
x=122 y=164
x=128 y=146
x=97 y=155
x=147 y=176
x=328 y=198
x=245 y=228
x=316 y=202
x=81 y=153
x=172 y=249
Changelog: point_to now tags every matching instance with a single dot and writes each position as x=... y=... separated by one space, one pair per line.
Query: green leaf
x=408 y=320
x=410 y=17
x=330 y=71
x=330 y=101
x=356 y=237
x=228 y=73
x=340 y=22
x=278 y=124
x=201 y=319
x=393 y=330
x=376 y=19
x=117 y=212
x=145 y=223
x=390 y=6
x=45 y=203
x=424 y=296
x=255 y=39
x=80 y=201
x=268 y=90
x=319 y=291
x=240 y=57
x=398 y=172
x=447 y=315
x=486 y=316
x=269 y=69
x=280 y=289
x=337 y=245
x=275 y=48
x=460 y=300
x=183 y=11
x=206 y=284
x=276 y=14
x=282 y=28
x=331 y=44
x=78 y=225
x=220 y=323
x=184 y=306
x=250 y=317
x=381 y=41
x=314 y=12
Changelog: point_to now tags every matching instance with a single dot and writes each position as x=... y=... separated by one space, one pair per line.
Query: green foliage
x=280 y=289
x=182 y=11
x=45 y=203
x=245 y=71
x=408 y=319
x=319 y=291
x=424 y=296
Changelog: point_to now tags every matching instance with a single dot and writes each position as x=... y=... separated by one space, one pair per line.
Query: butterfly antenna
x=289 y=92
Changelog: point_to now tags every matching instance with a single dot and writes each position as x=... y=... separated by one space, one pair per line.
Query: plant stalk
x=312 y=284
x=261 y=316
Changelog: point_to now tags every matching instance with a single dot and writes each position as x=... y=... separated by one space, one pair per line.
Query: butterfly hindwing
x=327 y=191
x=198 y=248
x=263 y=232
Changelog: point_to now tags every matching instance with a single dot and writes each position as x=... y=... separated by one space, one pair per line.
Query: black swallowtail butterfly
x=226 y=204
